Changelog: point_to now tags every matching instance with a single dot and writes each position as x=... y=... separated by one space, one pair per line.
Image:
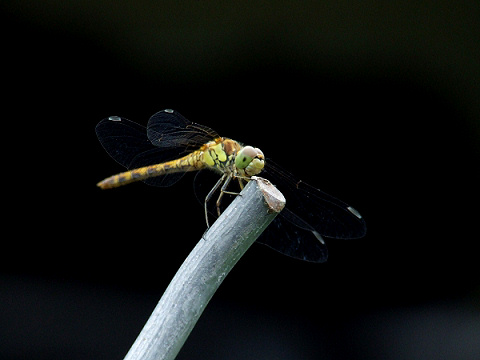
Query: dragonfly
x=170 y=146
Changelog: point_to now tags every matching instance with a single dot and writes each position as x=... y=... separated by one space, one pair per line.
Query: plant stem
x=204 y=269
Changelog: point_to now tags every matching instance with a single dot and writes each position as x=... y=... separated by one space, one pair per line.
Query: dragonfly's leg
x=210 y=194
x=240 y=183
x=231 y=192
x=223 y=191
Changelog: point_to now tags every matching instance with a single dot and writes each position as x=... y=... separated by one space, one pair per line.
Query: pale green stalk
x=204 y=269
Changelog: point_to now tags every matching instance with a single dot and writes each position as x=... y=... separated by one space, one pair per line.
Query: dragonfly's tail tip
x=103 y=185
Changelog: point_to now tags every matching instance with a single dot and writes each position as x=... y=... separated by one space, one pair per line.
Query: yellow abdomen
x=190 y=162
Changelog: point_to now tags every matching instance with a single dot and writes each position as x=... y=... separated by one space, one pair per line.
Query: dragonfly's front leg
x=210 y=194
x=240 y=183
x=223 y=190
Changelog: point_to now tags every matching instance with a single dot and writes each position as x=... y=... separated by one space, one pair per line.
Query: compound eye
x=245 y=157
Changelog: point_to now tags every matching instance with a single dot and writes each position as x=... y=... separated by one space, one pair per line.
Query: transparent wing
x=286 y=237
x=123 y=139
x=309 y=215
x=168 y=128
x=314 y=208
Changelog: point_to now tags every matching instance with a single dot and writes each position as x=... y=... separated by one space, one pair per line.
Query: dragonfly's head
x=249 y=161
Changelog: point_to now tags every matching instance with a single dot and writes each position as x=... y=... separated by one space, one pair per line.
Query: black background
x=375 y=104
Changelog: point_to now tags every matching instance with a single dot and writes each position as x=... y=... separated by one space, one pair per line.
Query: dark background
x=377 y=104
